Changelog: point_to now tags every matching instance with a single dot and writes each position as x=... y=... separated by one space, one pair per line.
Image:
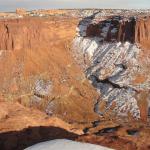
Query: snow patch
x=63 y=144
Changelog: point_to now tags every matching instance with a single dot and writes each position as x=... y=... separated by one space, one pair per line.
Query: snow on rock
x=110 y=72
x=43 y=87
x=111 y=65
x=63 y=144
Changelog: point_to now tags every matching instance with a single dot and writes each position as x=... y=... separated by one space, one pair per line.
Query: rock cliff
x=132 y=29
x=37 y=68
x=142 y=34
x=23 y=34
x=114 y=51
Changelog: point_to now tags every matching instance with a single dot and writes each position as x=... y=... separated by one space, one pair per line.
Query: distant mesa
x=21 y=11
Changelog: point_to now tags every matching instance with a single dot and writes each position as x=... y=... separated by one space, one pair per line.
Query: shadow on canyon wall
x=18 y=140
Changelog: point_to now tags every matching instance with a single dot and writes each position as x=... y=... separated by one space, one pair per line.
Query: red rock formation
x=22 y=34
x=126 y=31
x=33 y=48
x=142 y=34
x=132 y=30
x=135 y=31
x=21 y=127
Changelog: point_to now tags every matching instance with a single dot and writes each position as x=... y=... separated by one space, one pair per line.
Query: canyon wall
x=38 y=70
x=142 y=34
x=23 y=34
x=134 y=30
x=115 y=56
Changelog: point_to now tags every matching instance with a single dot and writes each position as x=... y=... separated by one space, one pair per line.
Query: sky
x=11 y=5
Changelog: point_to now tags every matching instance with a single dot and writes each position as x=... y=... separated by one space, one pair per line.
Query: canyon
x=116 y=61
x=82 y=75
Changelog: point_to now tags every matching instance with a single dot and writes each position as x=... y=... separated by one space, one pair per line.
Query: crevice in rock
x=107 y=130
x=94 y=125
x=132 y=132
x=39 y=95
x=96 y=108
x=95 y=81
x=7 y=29
x=107 y=81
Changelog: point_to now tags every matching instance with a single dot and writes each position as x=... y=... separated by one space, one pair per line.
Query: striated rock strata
x=115 y=57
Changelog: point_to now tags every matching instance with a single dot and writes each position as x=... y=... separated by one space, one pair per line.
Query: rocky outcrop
x=142 y=34
x=118 y=65
x=133 y=30
x=23 y=34
x=136 y=31
x=21 y=11
x=127 y=31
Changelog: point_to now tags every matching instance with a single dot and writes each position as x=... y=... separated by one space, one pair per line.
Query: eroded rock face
x=38 y=70
x=142 y=34
x=127 y=30
x=117 y=67
x=23 y=34
x=117 y=28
